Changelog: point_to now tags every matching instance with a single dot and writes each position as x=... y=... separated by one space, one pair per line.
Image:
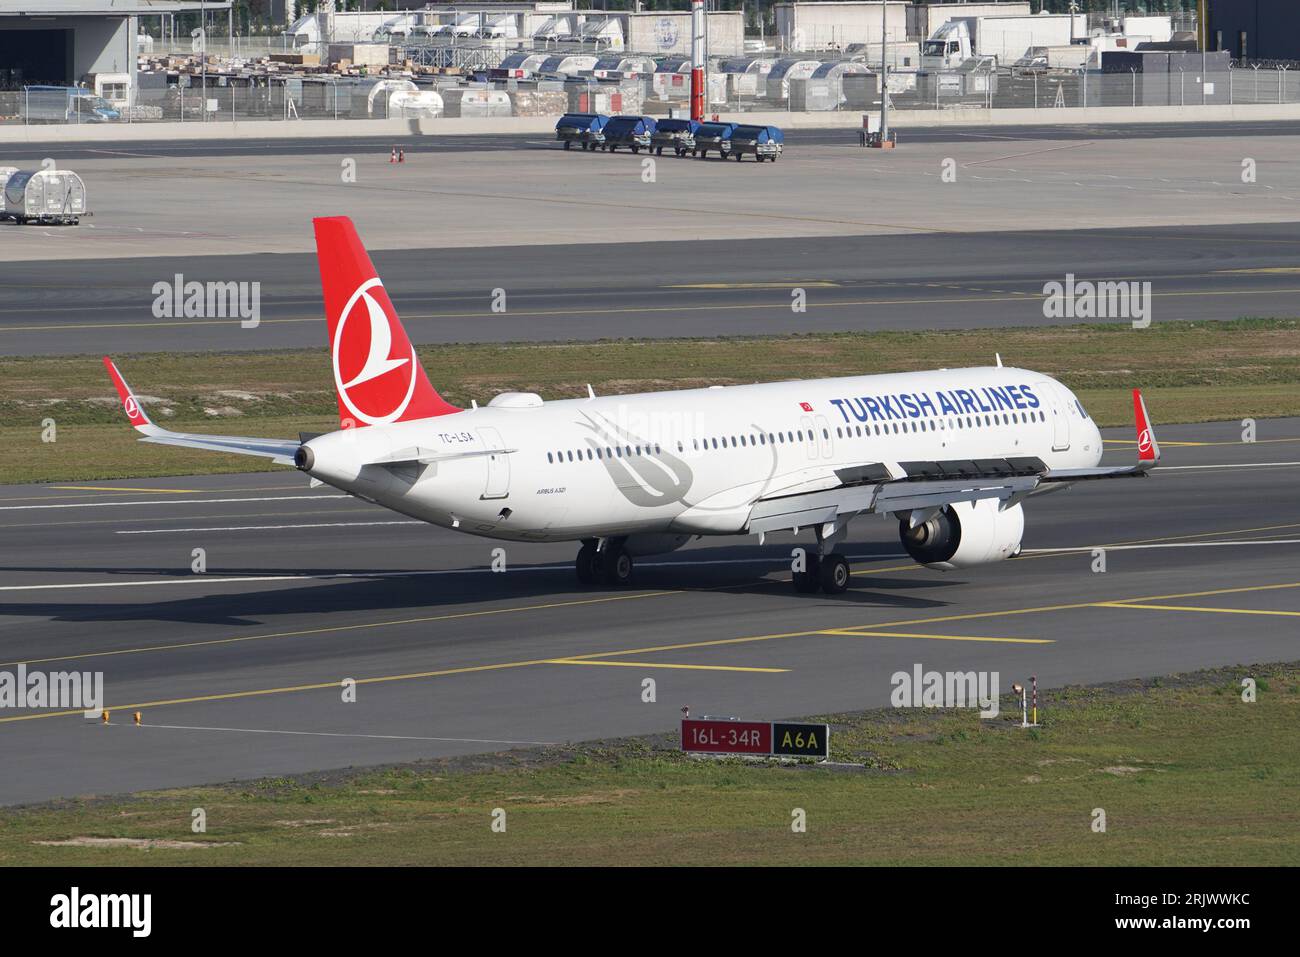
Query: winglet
x=129 y=403
x=1148 y=447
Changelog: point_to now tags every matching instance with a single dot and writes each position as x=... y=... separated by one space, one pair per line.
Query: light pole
x=884 y=74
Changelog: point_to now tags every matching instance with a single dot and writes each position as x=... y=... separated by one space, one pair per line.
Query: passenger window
x=550 y=458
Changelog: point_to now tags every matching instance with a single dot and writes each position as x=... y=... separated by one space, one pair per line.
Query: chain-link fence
x=198 y=96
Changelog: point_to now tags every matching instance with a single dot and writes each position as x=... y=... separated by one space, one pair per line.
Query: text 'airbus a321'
x=952 y=453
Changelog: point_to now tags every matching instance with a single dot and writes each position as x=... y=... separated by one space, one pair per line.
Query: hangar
x=1253 y=29
x=62 y=42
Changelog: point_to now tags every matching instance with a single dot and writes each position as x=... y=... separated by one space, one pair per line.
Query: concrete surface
x=196 y=205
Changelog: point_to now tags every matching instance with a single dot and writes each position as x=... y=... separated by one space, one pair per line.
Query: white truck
x=1005 y=39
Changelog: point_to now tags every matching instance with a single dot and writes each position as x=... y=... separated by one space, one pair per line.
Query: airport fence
x=216 y=97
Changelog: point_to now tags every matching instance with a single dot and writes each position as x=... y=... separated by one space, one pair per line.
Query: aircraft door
x=498 y=465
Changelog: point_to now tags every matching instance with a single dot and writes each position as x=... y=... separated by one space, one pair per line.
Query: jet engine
x=964 y=534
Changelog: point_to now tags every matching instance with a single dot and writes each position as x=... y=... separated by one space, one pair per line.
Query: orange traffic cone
x=392 y=157
x=401 y=155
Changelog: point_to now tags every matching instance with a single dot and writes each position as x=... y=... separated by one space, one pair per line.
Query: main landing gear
x=604 y=563
x=824 y=570
x=828 y=573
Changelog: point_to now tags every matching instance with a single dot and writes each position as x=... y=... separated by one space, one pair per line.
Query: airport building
x=1254 y=29
x=75 y=42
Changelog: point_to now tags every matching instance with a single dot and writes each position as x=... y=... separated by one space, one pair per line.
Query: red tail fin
x=376 y=373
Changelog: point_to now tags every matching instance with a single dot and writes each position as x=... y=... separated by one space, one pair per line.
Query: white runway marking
x=171 y=501
x=340 y=734
x=261 y=528
x=329 y=576
x=1129 y=548
x=1240 y=465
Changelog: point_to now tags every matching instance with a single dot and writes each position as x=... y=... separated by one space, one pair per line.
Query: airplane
x=951 y=453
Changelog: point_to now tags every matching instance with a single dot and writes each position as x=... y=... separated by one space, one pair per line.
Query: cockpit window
x=1082 y=412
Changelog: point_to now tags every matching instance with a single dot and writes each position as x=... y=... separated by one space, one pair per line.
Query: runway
x=237 y=671
x=663 y=289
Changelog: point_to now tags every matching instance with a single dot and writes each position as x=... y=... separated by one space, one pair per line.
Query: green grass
x=1191 y=372
x=1186 y=772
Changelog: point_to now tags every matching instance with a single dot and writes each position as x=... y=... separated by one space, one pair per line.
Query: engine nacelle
x=965 y=534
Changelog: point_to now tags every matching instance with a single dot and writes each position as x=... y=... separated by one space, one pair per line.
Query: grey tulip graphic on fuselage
x=647 y=481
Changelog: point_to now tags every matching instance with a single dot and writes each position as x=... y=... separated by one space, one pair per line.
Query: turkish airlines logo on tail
x=132 y=410
x=373 y=384
x=1144 y=443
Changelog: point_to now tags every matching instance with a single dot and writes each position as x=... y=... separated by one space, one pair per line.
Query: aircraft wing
x=280 y=451
x=920 y=487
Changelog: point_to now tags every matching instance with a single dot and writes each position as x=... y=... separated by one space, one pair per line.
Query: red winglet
x=129 y=403
x=1148 y=447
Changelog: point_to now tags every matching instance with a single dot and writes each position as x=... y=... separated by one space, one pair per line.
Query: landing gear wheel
x=568 y=145
x=1016 y=552
x=586 y=564
x=615 y=566
x=834 y=574
x=808 y=581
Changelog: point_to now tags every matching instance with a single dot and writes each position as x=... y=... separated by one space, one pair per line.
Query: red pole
x=697 y=60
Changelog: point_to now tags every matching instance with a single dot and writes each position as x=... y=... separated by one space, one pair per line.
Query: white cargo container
x=45 y=196
x=415 y=105
x=1007 y=39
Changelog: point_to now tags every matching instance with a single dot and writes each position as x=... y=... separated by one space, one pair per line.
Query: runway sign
x=727 y=737
x=801 y=740
x=779 y=738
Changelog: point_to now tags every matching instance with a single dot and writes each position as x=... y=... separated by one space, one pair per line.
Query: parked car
x=713 y=136
x=676 y=135
x=761 y=142
x=586 y=129
x=634 y=132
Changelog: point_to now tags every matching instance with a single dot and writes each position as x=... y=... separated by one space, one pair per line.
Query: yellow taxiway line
x=862 y=631
x=1221 y=611
x=657 y=664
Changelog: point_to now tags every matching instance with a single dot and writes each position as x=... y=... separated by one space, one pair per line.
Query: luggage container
x=634 y=132
x=586 y=129
x=760 y=142
x=45 y=196
x=714 y=136
x=676 y=135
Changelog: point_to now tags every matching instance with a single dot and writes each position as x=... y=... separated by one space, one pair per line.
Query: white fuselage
x=693 y=462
